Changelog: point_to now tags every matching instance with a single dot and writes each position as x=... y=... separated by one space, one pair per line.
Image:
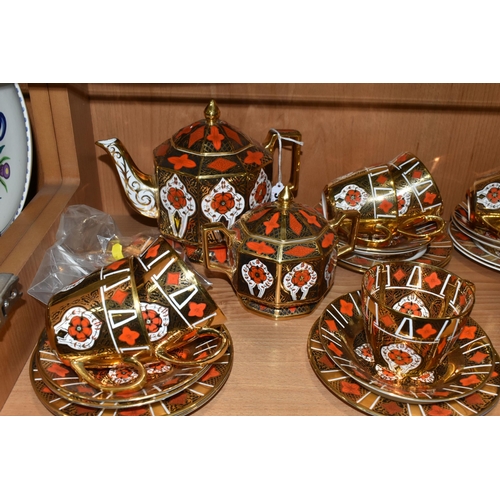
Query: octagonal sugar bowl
x=280 y=257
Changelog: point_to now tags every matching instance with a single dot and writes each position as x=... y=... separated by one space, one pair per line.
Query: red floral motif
x=128 y=336
x=213 y=372
x=326 y=361
x=215 y=137
x=386 y=205
x=133 y=412
x=346 y=307
x=196 y=135
x=328 y=240
x=222 y=202
x=400 y=357
x=299 y=251
x=411 y=308
x=261 y=192
x=401 y=202
x=152 y=320
x=295 y=225
x=119 y=296
x=399 y=274
x=493 y=195
x=417 y=174
x=439 y=411
x=232 y=134
x=173 y=278
x=393 y=408
x=429 y=197
x=176 y=198
x=272 y=223
x=426 y=331
x=332 y=326
x=59 y=370
x=387 y=320
x=474 y=399
x=181 y=162
x=311 y=219
x=80 y=328
x=116 y=265
x=221 y=164
x=181 y=399
x=470 y=380
x=260 y=247
x=479 y=357
x=468 y=332
x=258 y=215
x=301 y=278
x=350 y=388
x=335 y=349
x=254 y=157
x=257 y=274
x=197 y=309
x=381 y=179
x=124 y=373
x=352 y=197
x=432 y=280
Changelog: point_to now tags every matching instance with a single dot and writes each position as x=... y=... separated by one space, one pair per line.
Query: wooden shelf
x=454 y=129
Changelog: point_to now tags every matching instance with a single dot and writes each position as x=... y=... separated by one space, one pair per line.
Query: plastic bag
x=87 y=239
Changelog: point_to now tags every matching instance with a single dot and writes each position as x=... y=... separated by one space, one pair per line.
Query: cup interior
x=418 y=290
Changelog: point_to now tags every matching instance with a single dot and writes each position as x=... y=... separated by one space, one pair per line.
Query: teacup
x=483 y=203
x=394 y=200
x=131 y=310
x=413 y=314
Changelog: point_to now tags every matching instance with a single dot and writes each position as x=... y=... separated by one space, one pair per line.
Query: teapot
x=280 y=257
x=208 y=171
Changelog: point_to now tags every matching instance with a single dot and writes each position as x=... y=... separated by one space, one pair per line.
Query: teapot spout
x=140 y=189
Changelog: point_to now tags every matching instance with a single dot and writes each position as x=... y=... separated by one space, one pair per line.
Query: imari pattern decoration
x=394 y=199
x=343 y=337
x=483 y=204
x=365 y=399
x=208 y=171
x=281 y=256
x=170 y=389
x=134 y=309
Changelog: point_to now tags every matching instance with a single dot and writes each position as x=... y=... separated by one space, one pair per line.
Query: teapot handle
x=209 y=232
x=270 y=143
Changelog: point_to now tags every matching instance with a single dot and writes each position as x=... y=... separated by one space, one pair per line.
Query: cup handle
x=80 y=366
x=440 y=223
x=341 y=218
x=270 y=143
x=229 y=235
x=178 y=340
x=377 y=228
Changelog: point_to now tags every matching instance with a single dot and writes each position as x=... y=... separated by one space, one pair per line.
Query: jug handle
x=80 y=366
x=270 y=143
x=229 y=237
x=343 y=216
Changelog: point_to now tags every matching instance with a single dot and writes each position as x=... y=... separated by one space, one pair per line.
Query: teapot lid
x=211 y=136
x=285 y=221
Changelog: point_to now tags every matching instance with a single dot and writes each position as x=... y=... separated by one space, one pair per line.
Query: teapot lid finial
x=212 y=112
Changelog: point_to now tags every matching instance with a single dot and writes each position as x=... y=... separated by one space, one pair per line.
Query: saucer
x=477 y=233
x=466 y=246
x=438 y=253
x=465 y=369
x=185 y=402
x=363 y=399
x=162 y=379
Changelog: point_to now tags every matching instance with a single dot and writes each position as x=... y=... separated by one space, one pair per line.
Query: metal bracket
x=9 y=293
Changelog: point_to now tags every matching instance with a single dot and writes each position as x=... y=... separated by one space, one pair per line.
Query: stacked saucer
x=476 y=242
x=465 y=382
x=170 y=389
x=436 y=251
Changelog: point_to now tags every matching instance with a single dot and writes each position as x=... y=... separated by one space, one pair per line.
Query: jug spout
x=140 y=188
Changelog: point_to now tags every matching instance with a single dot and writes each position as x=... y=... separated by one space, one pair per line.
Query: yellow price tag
x=116 y=251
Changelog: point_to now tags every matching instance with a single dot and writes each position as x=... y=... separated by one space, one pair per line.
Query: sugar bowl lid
x=285 y=221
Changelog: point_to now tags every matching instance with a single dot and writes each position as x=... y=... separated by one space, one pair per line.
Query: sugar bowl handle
x=216 y=248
